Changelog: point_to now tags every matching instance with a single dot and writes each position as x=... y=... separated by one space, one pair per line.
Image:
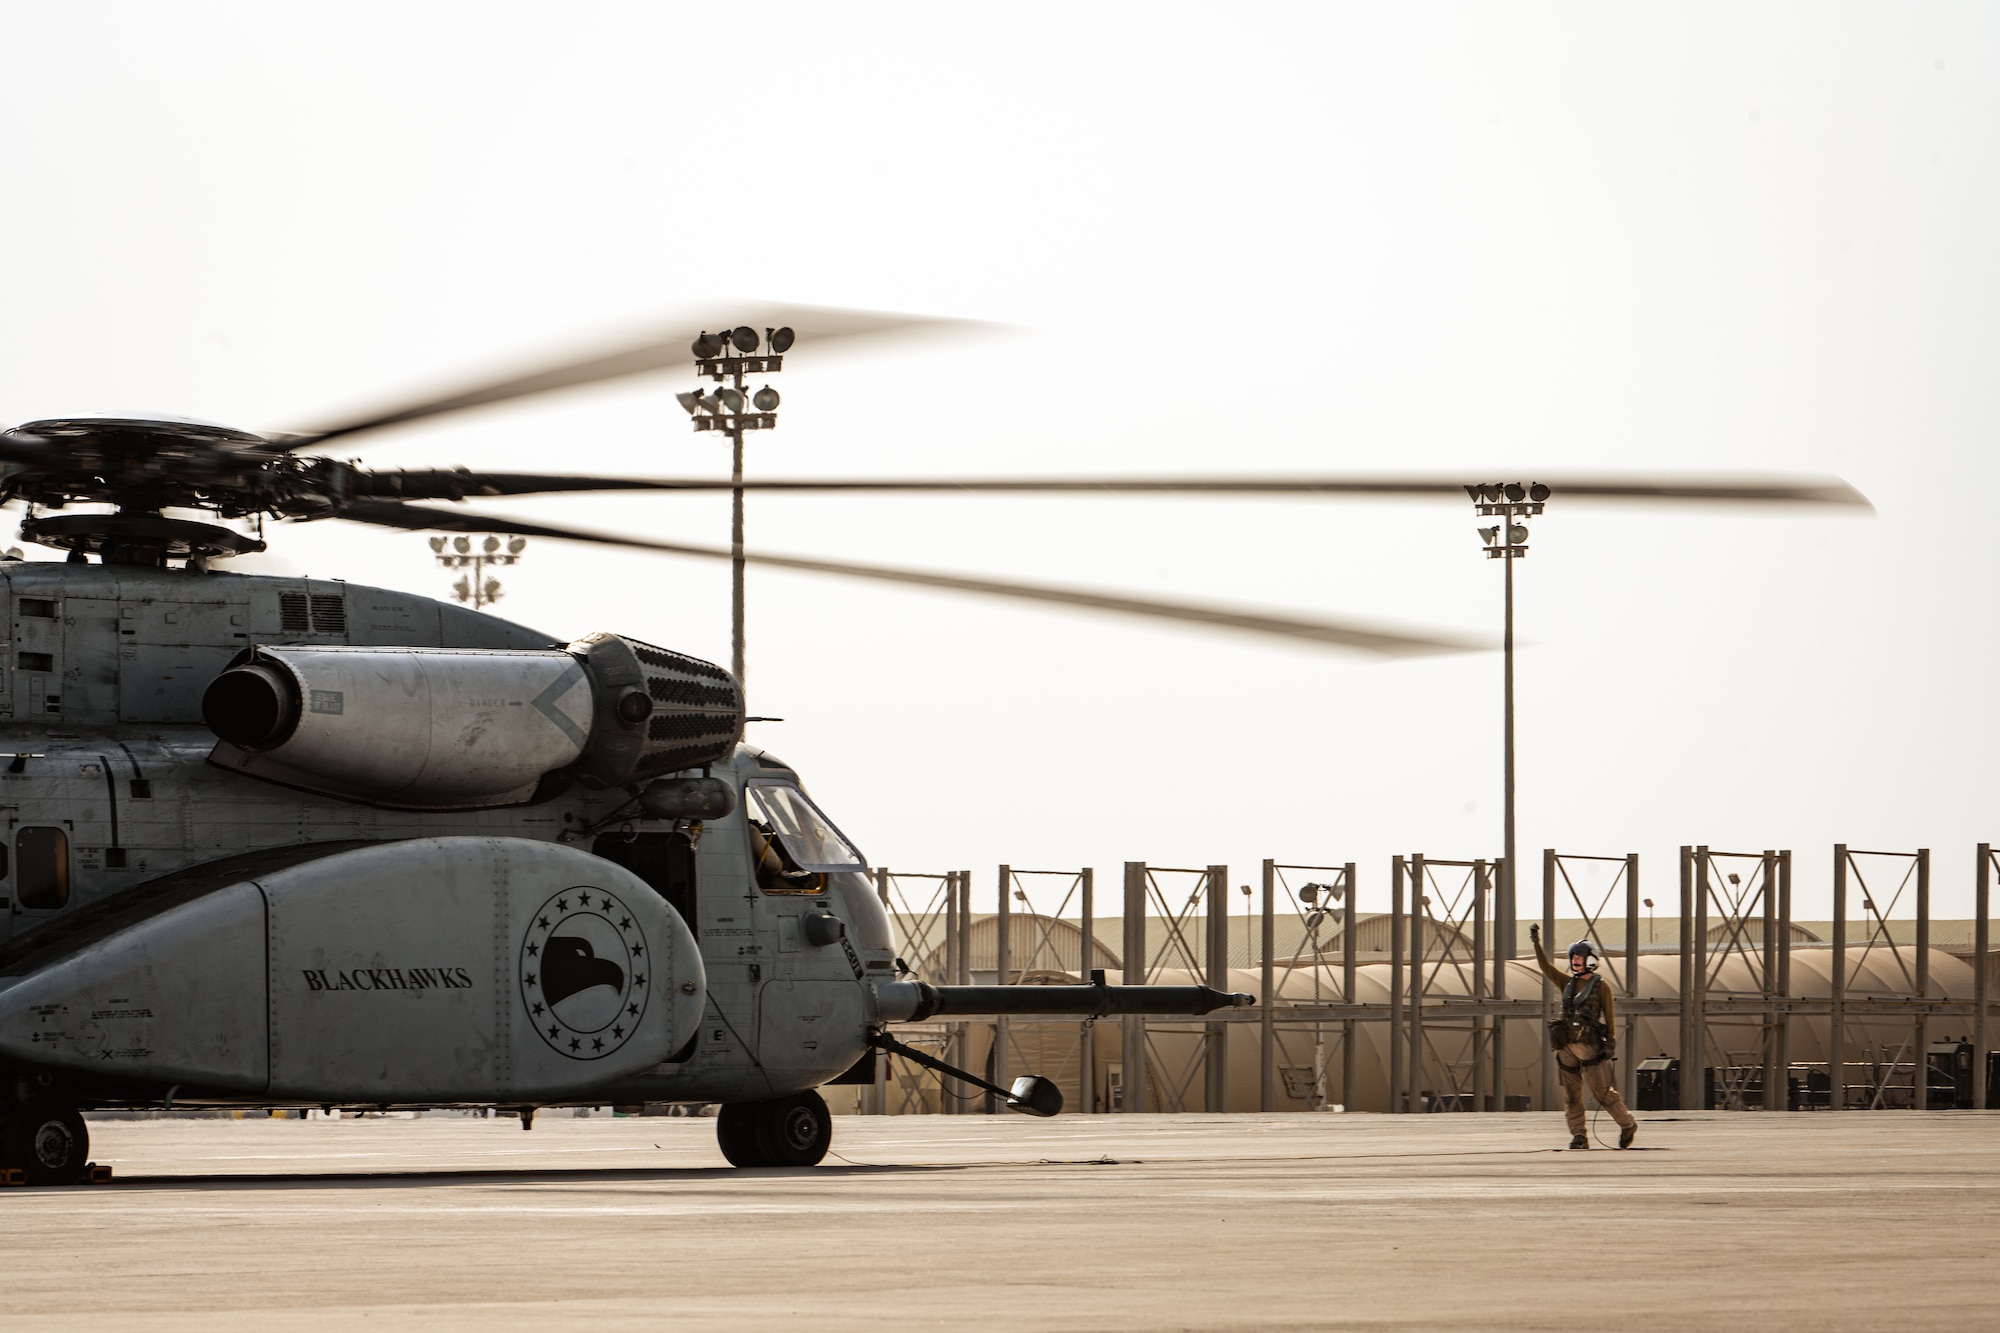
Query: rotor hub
x=136 y=539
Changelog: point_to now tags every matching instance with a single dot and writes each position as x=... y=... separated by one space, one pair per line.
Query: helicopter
x=281 y=841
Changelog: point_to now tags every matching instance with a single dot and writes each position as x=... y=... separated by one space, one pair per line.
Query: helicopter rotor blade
x=438 y=485
x=1330 y=633
x=668 y=349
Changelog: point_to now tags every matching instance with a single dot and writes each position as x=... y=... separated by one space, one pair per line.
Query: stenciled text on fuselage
x=388 y=978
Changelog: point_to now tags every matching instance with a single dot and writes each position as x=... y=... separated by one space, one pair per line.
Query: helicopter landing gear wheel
x=797 y=1130
x=47 y=1140
x=736 y=1133
x=785 y=1131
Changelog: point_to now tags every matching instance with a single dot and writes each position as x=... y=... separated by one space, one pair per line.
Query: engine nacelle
x=463 y=728
x=430 y=971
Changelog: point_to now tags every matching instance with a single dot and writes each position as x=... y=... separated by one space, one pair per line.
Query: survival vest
x=1582 y=1018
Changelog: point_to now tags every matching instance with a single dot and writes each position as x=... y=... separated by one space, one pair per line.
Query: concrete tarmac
x=1713 y=1221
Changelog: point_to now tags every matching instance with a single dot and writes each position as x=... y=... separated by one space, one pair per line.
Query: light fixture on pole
x=726 y=358
x=1323 y=900
x=1507 y=541
x=474 y=586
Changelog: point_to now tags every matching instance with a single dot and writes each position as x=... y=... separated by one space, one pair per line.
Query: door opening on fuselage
x=664 y=860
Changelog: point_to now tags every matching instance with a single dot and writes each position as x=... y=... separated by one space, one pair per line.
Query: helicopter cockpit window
x=795 y=846
x=41 y=865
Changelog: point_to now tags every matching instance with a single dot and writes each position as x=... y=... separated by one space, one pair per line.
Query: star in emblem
x=639 y=980
x=534 y=949
x=597 y=1043
x=538 y=1011
x=554 y=1033
x=562 y=904
x=531 y=978
x=544 y=923
x=574 y=1044
x=632 y=1009
x=584 y=898
x=618 y=1032
x=638 y=949
x=625 y=924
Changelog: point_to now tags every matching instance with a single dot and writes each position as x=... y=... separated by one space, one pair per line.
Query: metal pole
x=1701 y=892
x=950 y=928
x=953 y=931
x=736 y=663
x=877 y=1100
x=1347 y=1029
x=1503 y=952
x=1507 y=654
x=964 y=928
x=1003 y=975
x=964 y=976
x=1086 y=959
x=1215 y=1044
x=1416 y=1062
x=1784 y=1034
x=1267 y=1044
x=963 y=1031
x=1774 y=1073
x=1398 y=870
x=1003 y=924
x=1548 y=988
x=1133 y=1070
x=1629 y=1044
x=1482 y=1089
x=1836 y=1034
x=1690 y=1094
x=1981 y=930
x=1920 y=1080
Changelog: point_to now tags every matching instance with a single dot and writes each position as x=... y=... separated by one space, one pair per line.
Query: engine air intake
x=465 y=728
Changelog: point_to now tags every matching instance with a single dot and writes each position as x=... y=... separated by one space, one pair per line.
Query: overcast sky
x=1480 y=239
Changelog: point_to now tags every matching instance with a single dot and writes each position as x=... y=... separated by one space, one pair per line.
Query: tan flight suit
x=1577 y=1063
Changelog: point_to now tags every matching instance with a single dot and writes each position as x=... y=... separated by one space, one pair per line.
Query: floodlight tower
x=726 y=358
x=1507 y=541
x=474 y=586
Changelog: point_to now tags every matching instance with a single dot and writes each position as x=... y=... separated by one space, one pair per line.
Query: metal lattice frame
x=1472 y=1059
x=1745 y=1042
x=1142 y=1065
x=1042 y=958
x=1851 y=869
x=1719 y=1004
x=1309 y=953
x=1564 y=870
x=934 y=910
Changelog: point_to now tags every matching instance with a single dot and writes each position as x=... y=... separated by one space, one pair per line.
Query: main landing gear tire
x=736 y=1133
x=47 y=1140
x=785 y=1131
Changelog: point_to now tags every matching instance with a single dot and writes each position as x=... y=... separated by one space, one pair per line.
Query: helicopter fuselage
x=126 y=831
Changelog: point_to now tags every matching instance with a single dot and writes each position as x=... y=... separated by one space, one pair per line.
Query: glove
x=1611 y=1050
x=1535 y=933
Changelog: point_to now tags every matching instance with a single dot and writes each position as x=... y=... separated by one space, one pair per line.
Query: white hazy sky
x=1481 y=239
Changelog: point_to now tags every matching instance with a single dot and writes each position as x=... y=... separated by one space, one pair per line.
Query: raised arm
x=1549 y=969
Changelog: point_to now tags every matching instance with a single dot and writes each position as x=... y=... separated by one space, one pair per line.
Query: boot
x=1579 y=1142
x=1626 y=1135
